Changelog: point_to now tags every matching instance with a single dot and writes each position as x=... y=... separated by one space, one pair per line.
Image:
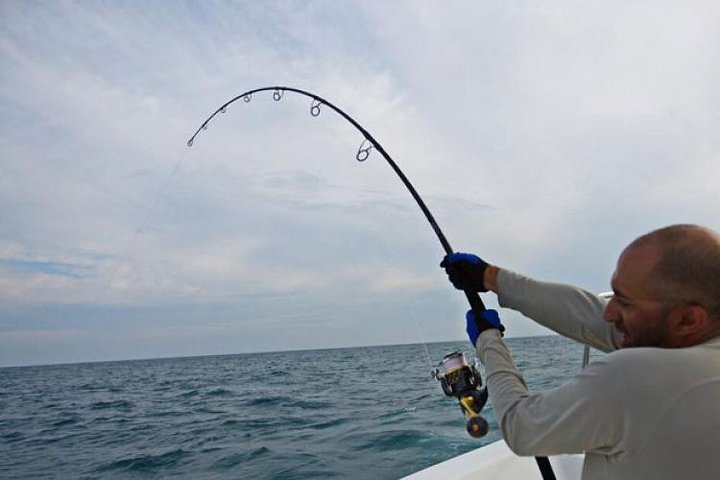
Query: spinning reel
x=461 y=380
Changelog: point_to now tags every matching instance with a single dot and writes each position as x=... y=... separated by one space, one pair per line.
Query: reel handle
x=472 y=404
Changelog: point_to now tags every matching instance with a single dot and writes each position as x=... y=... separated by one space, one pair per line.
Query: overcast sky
x=543 y=135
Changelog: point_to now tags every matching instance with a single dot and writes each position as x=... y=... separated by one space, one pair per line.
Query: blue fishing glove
x=489 y=319
x=466 y=271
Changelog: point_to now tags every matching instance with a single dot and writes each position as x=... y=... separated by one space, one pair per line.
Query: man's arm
x=584 y=414
x=570 y=311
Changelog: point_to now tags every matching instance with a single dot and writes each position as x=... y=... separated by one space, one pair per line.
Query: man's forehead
x=634 y=267
x=639 y=257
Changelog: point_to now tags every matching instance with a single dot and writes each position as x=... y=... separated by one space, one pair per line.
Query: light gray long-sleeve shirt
x=637 y=413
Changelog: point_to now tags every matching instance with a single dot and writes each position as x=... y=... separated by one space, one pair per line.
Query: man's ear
x=693 y=318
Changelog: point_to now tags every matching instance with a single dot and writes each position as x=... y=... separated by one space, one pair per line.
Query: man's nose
x=610 y=313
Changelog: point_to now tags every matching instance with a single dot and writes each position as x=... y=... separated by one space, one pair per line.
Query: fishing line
x=411 y=310
x=149 y=213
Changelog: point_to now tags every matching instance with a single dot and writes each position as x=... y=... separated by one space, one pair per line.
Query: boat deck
x=496 y=461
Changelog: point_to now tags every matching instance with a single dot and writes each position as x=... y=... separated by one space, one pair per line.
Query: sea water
x=353 y=413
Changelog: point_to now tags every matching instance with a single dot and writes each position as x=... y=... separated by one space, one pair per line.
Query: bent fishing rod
x=465 y=387
x=362 y=155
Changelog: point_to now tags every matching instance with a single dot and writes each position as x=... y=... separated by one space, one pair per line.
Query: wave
x=118 y=404
x=392 y=440
x=234 y=459
x=11 y=437
x=329 y=424
x=65 y=421
x=219 y=392
x=288 y=402
x=189 y=393
x=145 y=463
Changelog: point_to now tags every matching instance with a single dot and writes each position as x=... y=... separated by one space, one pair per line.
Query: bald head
x=687 y=265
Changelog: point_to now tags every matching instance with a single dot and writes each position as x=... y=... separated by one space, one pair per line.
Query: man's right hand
x=488 y=319
x=465 y=271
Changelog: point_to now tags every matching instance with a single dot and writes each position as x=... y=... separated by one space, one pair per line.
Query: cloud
x=24 y=267
x=542 y=136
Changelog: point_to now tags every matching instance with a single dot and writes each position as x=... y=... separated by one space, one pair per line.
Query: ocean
x=352 y=413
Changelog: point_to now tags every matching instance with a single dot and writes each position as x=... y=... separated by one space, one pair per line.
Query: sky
x=543 y=135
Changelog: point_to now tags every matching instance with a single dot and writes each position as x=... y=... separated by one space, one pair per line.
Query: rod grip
x=475 y=301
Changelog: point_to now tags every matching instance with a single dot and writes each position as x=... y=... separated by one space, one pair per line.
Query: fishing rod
x=362 y=155
x=460 y=380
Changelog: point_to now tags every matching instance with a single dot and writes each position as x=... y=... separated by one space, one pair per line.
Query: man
x=648 y=410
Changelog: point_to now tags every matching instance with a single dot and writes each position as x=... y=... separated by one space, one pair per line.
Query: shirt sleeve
x=572 y=312
x=585 y=414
